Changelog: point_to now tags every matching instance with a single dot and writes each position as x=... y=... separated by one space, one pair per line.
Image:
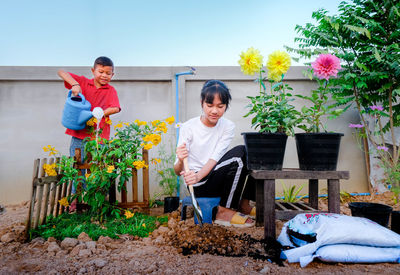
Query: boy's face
x=102 y=74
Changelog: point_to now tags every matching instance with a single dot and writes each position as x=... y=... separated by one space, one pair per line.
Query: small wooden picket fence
x=46 y=190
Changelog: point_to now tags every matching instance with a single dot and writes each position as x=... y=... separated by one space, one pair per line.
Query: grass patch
x=71 y=225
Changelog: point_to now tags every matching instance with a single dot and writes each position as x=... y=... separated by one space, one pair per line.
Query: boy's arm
x=75 y=87
x=111 y=111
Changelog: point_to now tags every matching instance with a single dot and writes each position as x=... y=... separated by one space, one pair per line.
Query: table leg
x=313 y=193
x=269 y=208
x=334 y=196
x=259 y=202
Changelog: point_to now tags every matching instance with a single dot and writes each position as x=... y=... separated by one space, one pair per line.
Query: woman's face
x=213 y=111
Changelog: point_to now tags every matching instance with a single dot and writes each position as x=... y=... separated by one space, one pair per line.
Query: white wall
x=32 y=100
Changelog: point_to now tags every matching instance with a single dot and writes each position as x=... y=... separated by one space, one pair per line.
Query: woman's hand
x=182 y=152
x=190 y=177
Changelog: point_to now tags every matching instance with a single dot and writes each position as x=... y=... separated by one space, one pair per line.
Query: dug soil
x=179 y=247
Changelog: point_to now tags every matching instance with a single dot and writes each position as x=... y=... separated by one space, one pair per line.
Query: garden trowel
x=197 y=210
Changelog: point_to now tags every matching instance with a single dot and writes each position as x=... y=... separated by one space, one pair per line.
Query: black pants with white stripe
x=227 y=180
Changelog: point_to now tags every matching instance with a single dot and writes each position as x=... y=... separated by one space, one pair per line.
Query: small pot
x=376 y=212
x=395 y=226
x=171 y=204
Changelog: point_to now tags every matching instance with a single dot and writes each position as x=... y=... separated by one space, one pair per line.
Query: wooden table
x=265 y=193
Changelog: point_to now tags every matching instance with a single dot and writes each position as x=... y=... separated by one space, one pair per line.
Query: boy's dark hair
x=103 y=61
x=212 y=87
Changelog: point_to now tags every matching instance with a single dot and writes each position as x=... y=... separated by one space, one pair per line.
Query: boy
x=99 y=93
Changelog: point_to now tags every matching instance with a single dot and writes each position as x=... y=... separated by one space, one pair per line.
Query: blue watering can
x=76 y=112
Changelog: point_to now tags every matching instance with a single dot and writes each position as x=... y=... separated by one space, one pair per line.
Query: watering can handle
x=80 y=94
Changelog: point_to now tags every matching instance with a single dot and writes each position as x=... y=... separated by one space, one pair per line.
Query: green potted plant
x=167 y=179
x=273 y=115
x=318 y=149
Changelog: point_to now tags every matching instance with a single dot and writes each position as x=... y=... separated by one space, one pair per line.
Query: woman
x=215 y=171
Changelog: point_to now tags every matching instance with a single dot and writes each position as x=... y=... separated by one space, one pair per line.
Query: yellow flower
x=147 y=146
x=161 y=127
x=170 y=120
x=110 y=168
x=108 y=120
x=250 y=61
x=155 y=161
x=139 y=164
x=140 y=123
x=144 y=225
x=64 y=202
x=156 y=139
x=91 y=122
x=111 y=140
x=119 y=125
x=50 y=169
x=161 y=172
x=51 y=150
x=278 y=64
x=128 y=214
x=147 y=138
x=126 y=123
x=87 y=175
x=155 y=122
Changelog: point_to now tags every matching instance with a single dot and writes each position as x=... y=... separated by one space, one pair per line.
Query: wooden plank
x=46 y=197
x=133 y=205
x=294 y=206
x=35 y=174
x=306 y=207
x=124 y=193
x=146 y=190
x=40 y=193
x=53 y=186
x=135 y=191
x=259 y=203
x=313 y=193
x=280 y=206
x=334 y=196
x=64 y=194
x=59 y=190
x=299 y=174
x=269 y=208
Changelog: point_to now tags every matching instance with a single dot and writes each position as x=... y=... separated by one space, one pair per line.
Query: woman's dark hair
x=213 y=87
x=103 y=61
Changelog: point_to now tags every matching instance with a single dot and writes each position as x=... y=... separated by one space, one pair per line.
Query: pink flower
x=384 y=148
x=375 y=107
x=326 y=65
x=356 y=125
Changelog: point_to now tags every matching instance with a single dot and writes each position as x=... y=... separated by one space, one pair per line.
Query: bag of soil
x=313 y=230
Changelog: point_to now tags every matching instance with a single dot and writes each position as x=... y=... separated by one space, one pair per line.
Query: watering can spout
x=84 y=116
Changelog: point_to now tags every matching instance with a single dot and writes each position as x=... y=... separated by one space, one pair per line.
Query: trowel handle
x=186 y=168
x=185 y=165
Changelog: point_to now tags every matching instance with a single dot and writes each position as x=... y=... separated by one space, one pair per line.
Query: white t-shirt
x=204 y=143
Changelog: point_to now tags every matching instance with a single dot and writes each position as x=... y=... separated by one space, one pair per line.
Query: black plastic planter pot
x=318 y=151
x=265 y=151
x=395 y=225
x=376 y=212
x=171 y=204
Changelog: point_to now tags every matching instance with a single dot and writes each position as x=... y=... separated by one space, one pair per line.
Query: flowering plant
x=365 y=36
x=111 y=160
x=165 y=172
x=324 y=67
x=272 y=111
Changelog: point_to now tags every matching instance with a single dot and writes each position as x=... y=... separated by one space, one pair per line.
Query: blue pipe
x=326 y=195
x=191 y=72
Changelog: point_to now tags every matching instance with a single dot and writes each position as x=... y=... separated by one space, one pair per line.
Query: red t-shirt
x=103 y=97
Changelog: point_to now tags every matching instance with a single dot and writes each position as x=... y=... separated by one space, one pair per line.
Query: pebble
x=85 y=253
x=69 y=243
x=84 y=237
x=53 y=247
x=99 y=262
x=8 y=237
x=265 y=270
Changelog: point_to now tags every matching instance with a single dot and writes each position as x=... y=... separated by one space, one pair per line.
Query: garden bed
x=179 y=248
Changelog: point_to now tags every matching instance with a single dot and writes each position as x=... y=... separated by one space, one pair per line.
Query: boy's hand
x=76 y=89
